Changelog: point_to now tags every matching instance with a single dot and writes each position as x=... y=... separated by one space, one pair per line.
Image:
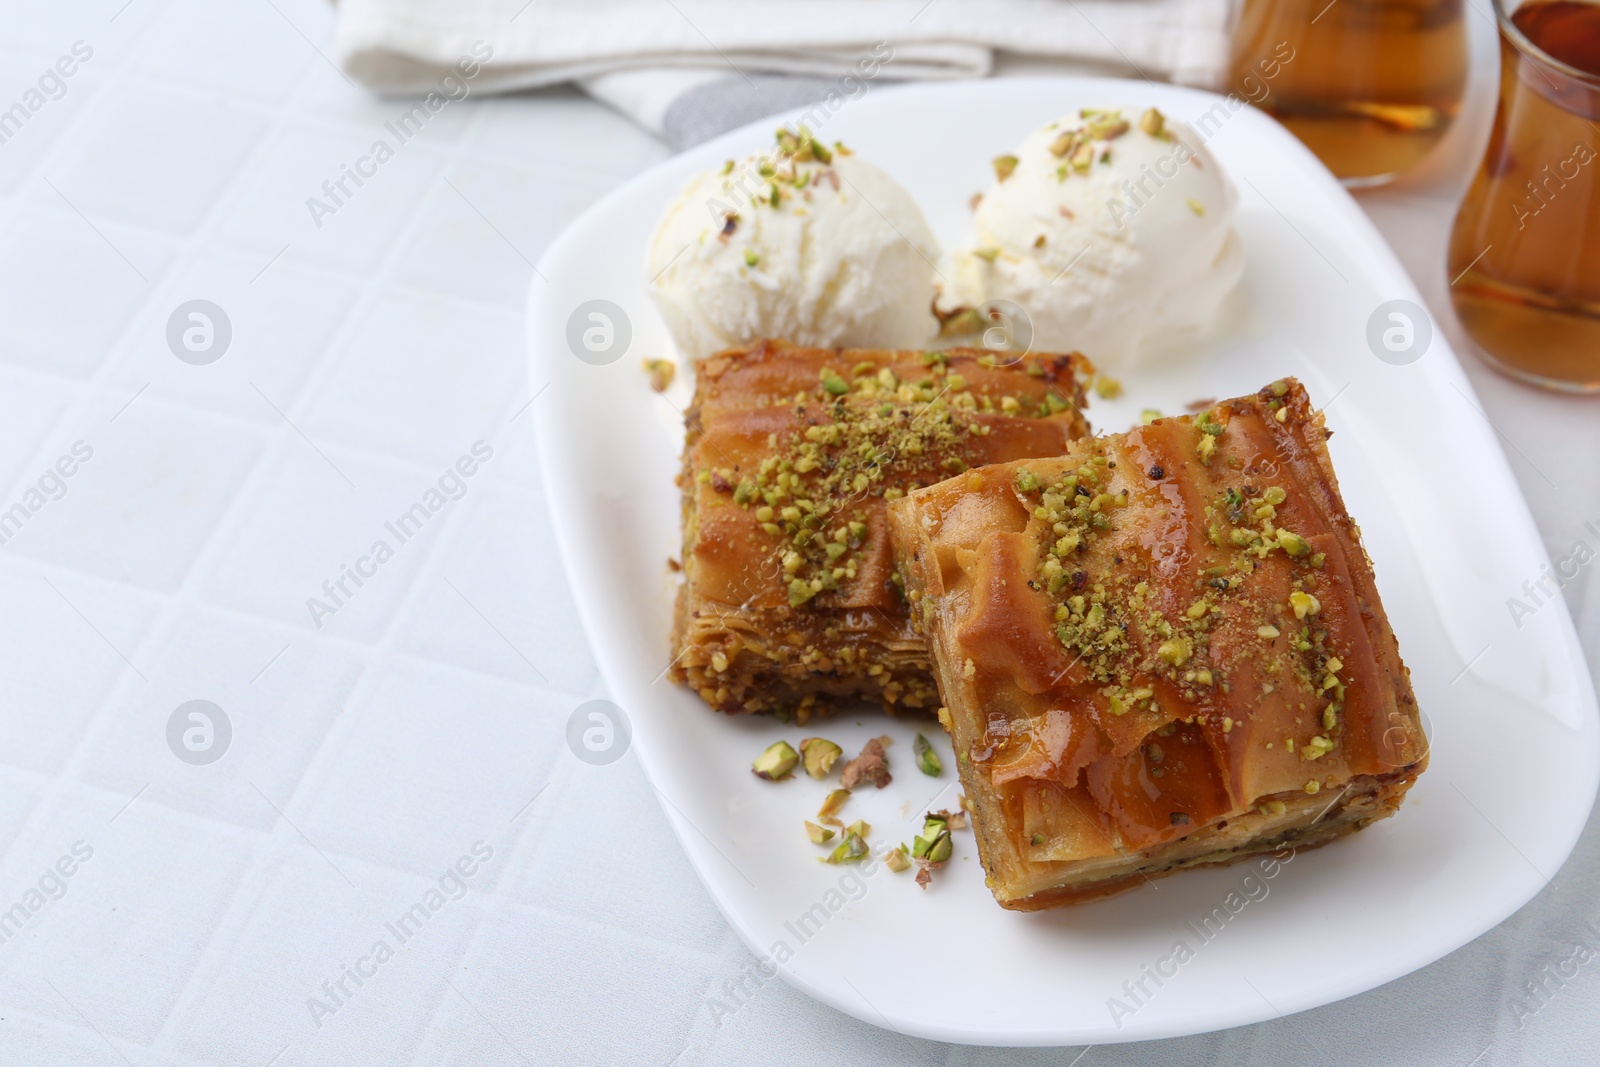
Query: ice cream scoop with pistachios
x=1113 y=230
x=805 y=242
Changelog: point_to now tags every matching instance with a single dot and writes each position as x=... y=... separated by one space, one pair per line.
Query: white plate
x=1511 y=707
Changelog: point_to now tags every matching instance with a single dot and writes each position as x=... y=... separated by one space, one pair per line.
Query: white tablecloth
x=379 y=766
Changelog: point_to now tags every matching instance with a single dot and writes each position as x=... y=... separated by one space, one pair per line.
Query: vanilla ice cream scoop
x=1114 y=234
x=804 y=244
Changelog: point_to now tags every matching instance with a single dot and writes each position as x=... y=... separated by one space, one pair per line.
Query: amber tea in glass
x=1525 y=252
x=1373 y=84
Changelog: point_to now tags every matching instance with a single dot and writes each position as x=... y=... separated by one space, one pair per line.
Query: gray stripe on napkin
x=728 y=103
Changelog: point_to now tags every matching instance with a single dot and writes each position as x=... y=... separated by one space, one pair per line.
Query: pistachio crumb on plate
x=776 y=762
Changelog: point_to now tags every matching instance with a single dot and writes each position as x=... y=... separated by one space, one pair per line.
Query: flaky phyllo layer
x=1164 y=648
x=790 y=600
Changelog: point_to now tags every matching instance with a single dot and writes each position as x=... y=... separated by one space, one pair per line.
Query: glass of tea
x=1525 y=251
x=1370 y=86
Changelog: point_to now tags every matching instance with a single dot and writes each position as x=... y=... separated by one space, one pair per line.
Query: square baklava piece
x=791 y=602
x=1160 y=650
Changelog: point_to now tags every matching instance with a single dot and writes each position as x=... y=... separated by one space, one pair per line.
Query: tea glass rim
x=1534 y=52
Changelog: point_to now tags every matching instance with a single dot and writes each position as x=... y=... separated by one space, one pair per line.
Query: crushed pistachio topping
x=927 y=759
x=819 y=835
x=833 y=802
x=1196 y=206
x=776 y=762
x=801 y=147
x=1003 y=167
x=819 y=756
x=898 y=859
x=1210 y=429
x=1148 y=415
x=1272 y=807
x=1073 y=513
x=1304 y=604
x=1123 y=637
x=797 y=164
x=661 y=372
x=1316 y=748
x=852 y=849
x=1292 y=543
x=1313 y=786
x=1154 y=123
x=1078 y=148
x=1107 y=388
x=1176 y=651
x=1253 y=519
x=1036 y=840
x=751 y=257
x=934 y=844
x=859 y=433
x=1095 y=619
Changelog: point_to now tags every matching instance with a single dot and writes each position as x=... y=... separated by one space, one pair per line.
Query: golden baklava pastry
x=1160 y=650
x=790 y=601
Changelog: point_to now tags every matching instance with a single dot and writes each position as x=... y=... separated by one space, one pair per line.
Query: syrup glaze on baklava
x=1161 y=650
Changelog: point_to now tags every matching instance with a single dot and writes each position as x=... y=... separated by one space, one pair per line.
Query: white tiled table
x=371 y=755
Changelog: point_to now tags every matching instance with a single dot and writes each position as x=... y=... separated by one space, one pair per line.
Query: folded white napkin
x=645 y=57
